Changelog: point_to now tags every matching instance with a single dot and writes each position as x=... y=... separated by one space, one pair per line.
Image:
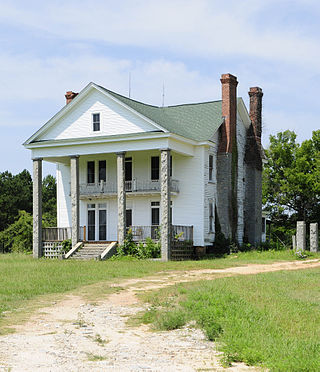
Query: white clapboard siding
x=114 y=119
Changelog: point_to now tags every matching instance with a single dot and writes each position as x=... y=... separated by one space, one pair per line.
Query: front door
x=97 y=222
x=91 y=221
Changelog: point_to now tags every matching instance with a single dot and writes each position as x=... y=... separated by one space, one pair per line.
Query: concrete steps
x=90 y=251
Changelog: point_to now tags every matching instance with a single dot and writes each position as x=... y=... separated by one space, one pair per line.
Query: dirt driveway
x=78 y=335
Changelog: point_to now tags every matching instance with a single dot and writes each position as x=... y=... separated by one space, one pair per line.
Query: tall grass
x=271 y=319
x=22 y=278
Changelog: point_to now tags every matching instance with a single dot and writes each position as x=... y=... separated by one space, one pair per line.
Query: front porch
x=181 y=239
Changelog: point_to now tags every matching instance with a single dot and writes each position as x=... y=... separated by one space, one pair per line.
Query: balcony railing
x=135 y=185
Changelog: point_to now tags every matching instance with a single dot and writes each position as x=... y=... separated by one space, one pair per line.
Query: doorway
x=97 y=222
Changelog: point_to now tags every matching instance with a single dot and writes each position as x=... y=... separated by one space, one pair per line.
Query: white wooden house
x=125 y=163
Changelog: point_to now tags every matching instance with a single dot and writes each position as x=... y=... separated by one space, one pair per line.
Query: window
x=155 y=219
x=155 y=213
x=155 y=168
x=210 y=167
x=90 y=172
x=210 y=217
x=170 y=167
x=96 y=122
x=263 y=225
x=128 y=169
x=102 y=170
x=128 y=217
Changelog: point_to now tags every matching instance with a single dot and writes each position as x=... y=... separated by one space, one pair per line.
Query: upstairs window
x=155 y=171
x=96 y=122
x=90 y=173
x=102 y=170
x=210 y=167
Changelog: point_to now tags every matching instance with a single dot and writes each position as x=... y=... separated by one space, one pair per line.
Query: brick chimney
x=256 y=94
x=70 y=96
x=229 y=112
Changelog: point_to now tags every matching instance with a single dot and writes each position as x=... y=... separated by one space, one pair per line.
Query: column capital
x=121 y=153
x=74 y=156
x=37 y=159
x=165 y=149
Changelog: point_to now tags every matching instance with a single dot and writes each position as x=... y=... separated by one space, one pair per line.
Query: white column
x=74 y=164
x=121 y=197
x=165 y=206
x=37 y=208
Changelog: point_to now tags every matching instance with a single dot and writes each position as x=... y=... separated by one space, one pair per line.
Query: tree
x=18 y=236
x=49 y=201
x=15 y=195
x=291 y=182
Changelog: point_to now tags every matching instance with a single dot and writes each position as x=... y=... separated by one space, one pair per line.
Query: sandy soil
x=78 y=335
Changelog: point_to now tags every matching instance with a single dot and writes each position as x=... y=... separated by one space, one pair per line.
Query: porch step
x=90 y=251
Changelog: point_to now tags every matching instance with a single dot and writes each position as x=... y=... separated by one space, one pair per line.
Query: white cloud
x=203 y=28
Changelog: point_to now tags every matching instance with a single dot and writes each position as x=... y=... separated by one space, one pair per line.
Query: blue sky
x=49 y=47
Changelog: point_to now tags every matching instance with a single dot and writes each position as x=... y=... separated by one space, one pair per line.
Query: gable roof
x=196 y=121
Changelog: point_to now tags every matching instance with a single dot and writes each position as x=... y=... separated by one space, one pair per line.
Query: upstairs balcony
x=135 y=186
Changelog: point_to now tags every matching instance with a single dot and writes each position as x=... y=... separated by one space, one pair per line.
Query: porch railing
x=56 y=234
x=182 y=233
x=135 y=185
x=141 y=233
x=59 y=234
x=179 y=233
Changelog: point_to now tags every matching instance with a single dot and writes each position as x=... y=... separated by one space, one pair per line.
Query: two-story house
x=124 y=163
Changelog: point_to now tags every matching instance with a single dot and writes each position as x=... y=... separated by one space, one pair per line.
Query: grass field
x=23 y=279
x=270 y=319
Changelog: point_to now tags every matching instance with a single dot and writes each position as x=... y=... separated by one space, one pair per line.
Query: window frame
x=154 y=169
x=93 y=173
x=210 y=166
x=96 y=122
x=211 y=216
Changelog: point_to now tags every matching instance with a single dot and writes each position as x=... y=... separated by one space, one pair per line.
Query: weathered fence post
x=294 y=242
x=301 y=235
x=314 y=237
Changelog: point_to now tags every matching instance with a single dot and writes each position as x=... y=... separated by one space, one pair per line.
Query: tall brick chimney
x=70 y=96
x=256 y=94
x=229 y=112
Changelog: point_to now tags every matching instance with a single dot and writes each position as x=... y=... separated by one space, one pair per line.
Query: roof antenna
x=163 y=94
x=129 y=84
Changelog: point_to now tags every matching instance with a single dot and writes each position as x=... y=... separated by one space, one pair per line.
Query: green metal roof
x=196 y=121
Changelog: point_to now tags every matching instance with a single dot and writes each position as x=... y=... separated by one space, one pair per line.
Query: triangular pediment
x=75 y=120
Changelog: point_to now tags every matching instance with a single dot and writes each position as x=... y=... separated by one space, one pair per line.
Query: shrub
x=66 y=245
x=142 y=250
x=18 y=236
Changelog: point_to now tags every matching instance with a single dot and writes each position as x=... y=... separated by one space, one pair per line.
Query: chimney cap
x=70 y=96
x=255 y=91
x=228 y=79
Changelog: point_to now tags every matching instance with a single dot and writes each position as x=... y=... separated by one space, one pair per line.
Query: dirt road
x=78 y=335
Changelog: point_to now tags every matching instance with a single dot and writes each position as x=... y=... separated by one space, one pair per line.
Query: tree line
x=16 y=209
